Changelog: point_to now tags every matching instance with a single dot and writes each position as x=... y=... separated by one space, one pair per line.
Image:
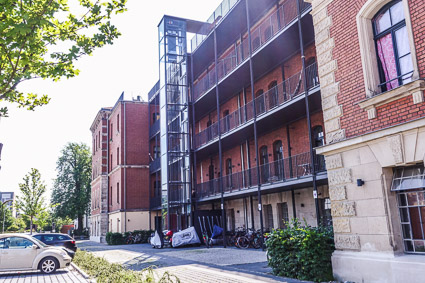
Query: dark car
x=57 y=239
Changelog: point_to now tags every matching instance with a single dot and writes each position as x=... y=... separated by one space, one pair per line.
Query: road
x=195 y=264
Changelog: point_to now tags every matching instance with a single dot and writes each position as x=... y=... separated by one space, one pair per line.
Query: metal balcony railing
x=276 y=96
x=154 y=128
x=155 y=165
x=260 y=34
x=294 y=167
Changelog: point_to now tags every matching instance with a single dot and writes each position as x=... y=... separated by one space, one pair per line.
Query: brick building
x=371 y=62
x=235 y=118
x=120 y=194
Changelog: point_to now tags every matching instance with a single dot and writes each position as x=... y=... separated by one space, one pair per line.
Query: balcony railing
x=155 y=165
x=260 y=35
x=276 y=96
x=282 y=170
x=153 y=91
x=154 y=128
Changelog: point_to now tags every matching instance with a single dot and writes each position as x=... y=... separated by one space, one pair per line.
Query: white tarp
x=156 y=241
x=186 y=237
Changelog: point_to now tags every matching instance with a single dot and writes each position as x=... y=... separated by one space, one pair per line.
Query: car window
x=40 y=243
x=63 y=238
x=48 y=239
x=17 y=243
x=38 y=237
x=2 y=243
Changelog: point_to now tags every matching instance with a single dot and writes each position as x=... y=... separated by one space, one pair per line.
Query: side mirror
x=34 y=247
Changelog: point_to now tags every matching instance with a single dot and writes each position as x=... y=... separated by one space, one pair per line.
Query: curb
x=79 y=270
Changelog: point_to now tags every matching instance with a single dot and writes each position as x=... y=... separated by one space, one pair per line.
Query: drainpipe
x=125 y=170
x=107 y=175
x=307 y=106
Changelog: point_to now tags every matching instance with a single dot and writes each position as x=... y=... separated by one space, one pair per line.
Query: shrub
x=103 y=271
x=301 y=252
x=115 y=238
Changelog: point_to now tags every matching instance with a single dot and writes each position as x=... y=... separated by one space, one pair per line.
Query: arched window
x=392 y=46
x=318 y=136
x=259 y=102
x=273 y=94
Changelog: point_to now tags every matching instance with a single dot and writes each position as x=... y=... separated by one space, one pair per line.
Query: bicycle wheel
x=243 y=242
x=256 y=243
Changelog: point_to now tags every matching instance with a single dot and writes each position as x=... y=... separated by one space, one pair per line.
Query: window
x=118 y=156
x=278 y=159
x=226 y=121
x=118 y=192
x=99 y=139
x=283 y=214
x=392 y=45
x=268 y=216
x=118 y=122
x=264 y=164
x=155 y=117
x=16 y=243
x=229 y=170
x=156 y=152
x=259 y=102
x=111 y=133
x=325 y=212
x=111 y=163
x=318 y=136
x=273 y=94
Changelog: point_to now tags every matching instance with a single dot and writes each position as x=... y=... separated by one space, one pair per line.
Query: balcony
x=277 y=172
x=268 y=101
x=153 y=91
x=154 y=129
x=260 y=35
x=155 y=165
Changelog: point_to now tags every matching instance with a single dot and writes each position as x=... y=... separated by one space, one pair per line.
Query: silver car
x=23 y=252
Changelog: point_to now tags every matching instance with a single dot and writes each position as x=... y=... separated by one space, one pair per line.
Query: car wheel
x=48 y=265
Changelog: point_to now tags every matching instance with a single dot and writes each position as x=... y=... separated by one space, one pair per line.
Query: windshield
x=40 y=243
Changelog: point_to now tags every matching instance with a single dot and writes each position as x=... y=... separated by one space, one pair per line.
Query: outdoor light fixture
x=360 y=182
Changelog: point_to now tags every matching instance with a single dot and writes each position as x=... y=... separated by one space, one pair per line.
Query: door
x=278 y=159
x=17 y=253
x=229 y=169
x=273 y=94
x=209 y=130
x=264 y=164
x=211 y=178
x=226 y=121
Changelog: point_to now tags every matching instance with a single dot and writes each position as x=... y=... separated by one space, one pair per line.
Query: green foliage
x=103 y=271
x=119 y=238
x=18 y=225
x=115 y=238
x=5 y=216
x=72 y=190
x=31 y=200
x=301 y=252
x=43 y=39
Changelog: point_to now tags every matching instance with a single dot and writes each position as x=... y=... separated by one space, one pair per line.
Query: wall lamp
x=360 y=182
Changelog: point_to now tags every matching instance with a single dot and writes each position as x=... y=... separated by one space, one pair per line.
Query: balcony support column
x=307 y=106
x=294 y=209
x=251 y=71
x=220 y=180
x=191 y=141
x=252 y=212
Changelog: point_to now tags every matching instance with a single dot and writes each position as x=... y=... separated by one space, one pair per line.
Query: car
x=57 y=239
x=19 y=252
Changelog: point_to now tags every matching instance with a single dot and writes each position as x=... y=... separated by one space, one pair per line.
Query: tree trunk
x=31 y=226
x=80 y=224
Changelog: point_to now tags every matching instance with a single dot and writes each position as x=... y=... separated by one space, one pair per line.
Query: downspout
x=191 y=146
x=125 y=170
x=107 y=174
x=307 y=106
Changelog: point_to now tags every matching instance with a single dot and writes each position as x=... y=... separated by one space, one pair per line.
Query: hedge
x=119 y=238
x=301 y=252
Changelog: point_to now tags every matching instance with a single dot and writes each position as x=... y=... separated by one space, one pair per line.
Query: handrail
x=281 y=170
x=276 y=96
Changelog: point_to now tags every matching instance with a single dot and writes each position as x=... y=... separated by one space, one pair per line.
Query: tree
x=43 y=39
x=31 y=200
x=72 y=189
x=6 y=215
x=18 y=225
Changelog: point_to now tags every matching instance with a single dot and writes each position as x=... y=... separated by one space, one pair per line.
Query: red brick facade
x=350 y=72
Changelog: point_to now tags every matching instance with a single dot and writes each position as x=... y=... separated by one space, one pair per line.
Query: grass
x=103 y=271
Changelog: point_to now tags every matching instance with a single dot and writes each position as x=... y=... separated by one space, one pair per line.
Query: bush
x=115 y=238
x=103 y=271
x=119 y=239
x=301 y=252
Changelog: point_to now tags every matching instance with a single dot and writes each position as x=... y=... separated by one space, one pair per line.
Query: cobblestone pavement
x=67 y=275
x=194 y=264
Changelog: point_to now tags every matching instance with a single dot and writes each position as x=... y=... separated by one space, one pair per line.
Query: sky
x=34 y=139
